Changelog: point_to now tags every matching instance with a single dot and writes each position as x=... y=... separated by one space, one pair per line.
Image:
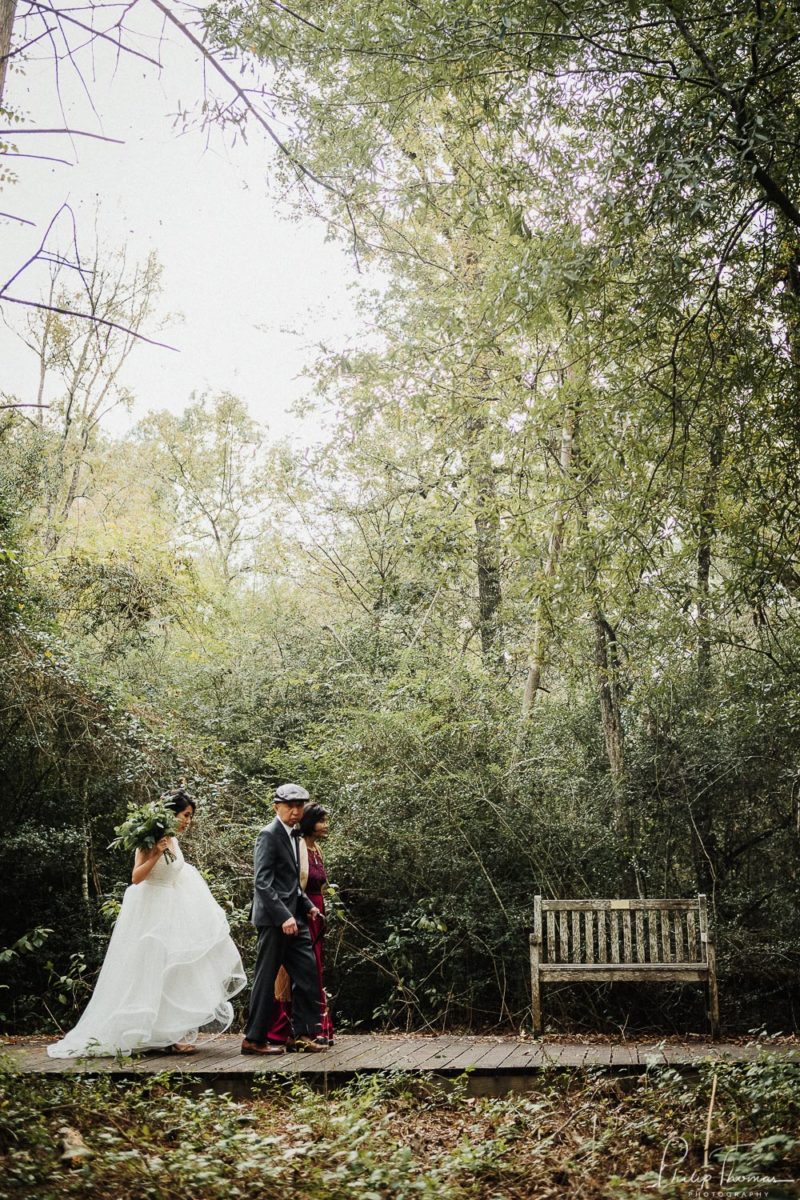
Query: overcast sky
x=255 y=290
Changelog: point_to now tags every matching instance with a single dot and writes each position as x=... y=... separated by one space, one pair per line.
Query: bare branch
x=26 y=45
x=70 y=132
x=297 y=16
x=39 y=157
x=39 y=253
x=60 y=15
x=243 y=96
x=71 y=312
x=22 y=220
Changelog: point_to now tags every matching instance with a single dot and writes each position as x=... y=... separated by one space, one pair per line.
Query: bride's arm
x=146 y=860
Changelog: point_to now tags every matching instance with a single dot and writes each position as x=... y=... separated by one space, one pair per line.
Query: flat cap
x=291 y=793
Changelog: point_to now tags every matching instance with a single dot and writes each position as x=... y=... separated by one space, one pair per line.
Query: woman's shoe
x=304 y=1045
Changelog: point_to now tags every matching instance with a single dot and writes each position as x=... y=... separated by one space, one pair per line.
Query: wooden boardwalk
x=496 y=1065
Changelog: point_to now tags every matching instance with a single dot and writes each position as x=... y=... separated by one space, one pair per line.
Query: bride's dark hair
x=180 y=799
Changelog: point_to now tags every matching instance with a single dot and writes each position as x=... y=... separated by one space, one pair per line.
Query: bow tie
x=296 y=833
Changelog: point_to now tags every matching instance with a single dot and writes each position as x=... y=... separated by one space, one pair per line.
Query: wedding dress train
x=171 y=969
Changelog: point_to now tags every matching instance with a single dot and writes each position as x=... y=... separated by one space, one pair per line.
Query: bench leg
x=711 y=960
x=713 y=994
x=536 y=956
x=536 y=1002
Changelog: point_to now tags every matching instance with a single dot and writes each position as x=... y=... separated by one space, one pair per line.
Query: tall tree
x=210 y=456
x=81 y=372
x=7 y=14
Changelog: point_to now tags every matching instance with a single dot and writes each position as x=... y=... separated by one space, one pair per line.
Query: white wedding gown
x=170 y=968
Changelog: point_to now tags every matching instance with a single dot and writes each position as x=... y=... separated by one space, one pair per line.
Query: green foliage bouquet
x=145 y=826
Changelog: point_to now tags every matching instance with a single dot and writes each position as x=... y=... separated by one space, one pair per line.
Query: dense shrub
x=592 y=1134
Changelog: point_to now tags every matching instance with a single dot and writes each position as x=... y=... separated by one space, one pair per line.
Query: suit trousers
x=296 y=954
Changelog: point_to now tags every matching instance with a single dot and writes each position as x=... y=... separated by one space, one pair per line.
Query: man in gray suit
x=279 y=912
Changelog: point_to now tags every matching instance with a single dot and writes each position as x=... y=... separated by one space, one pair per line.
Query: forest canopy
x=526 y=618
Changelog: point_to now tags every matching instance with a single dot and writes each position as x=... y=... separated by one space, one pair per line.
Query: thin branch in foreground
x=39 y=157
x=72 y=312
x=96 y=33
x=243 y=96
x=39 y=253
x=25 y=45
x=297 y=16
x=100 y=137
x=14 y=217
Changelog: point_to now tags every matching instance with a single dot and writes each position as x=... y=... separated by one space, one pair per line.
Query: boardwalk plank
x=472 y=1056
x=652 y=1056
x=358 y=1048
x=401 y=1054
x=551 y=1053
x=211 y=1060
x=622 y=1056
x=575 y=1056
x=521 y=1056
x=340 y=1057
x=496 y=1057
x=439 y=1053
x=219 y=1058
x=525 y=1056
x=426 y=1050
x=492 y=1056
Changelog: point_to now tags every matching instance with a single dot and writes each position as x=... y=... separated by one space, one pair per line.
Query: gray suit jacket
x=277 y=894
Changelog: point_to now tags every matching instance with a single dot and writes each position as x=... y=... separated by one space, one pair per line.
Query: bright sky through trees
x=247 y=291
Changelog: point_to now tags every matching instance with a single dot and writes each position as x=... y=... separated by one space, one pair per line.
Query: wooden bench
x=653 y=941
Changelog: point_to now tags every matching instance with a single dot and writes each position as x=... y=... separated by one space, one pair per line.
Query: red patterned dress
x=280 y=1026
x=317 y=878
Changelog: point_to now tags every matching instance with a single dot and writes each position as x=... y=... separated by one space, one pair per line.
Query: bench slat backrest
x=624 y=931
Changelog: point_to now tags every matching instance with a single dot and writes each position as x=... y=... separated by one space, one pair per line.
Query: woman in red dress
x=313 y=877
x=314 y=828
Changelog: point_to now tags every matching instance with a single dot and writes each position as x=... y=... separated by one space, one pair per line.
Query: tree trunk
x=791 y=307
x=702 y=810
x=489 y=586
x=533 y=681
x=7 y=14
x=487 y=537
x=606 y=658
x=606 y=649
x=482 y=482
x=706 y=531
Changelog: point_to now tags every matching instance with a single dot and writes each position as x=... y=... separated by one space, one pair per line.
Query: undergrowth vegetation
x=589 y=1135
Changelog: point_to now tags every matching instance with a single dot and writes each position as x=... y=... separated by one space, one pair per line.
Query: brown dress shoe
x=305 y=1045
x=261 y=1048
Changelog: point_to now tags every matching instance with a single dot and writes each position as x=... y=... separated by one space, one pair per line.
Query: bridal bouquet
x=144 y=827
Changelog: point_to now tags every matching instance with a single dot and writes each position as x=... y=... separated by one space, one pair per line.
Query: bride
x=170 y=967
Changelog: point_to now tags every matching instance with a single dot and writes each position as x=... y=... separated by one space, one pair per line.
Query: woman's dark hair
x=180 y=799
x=312 y=815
